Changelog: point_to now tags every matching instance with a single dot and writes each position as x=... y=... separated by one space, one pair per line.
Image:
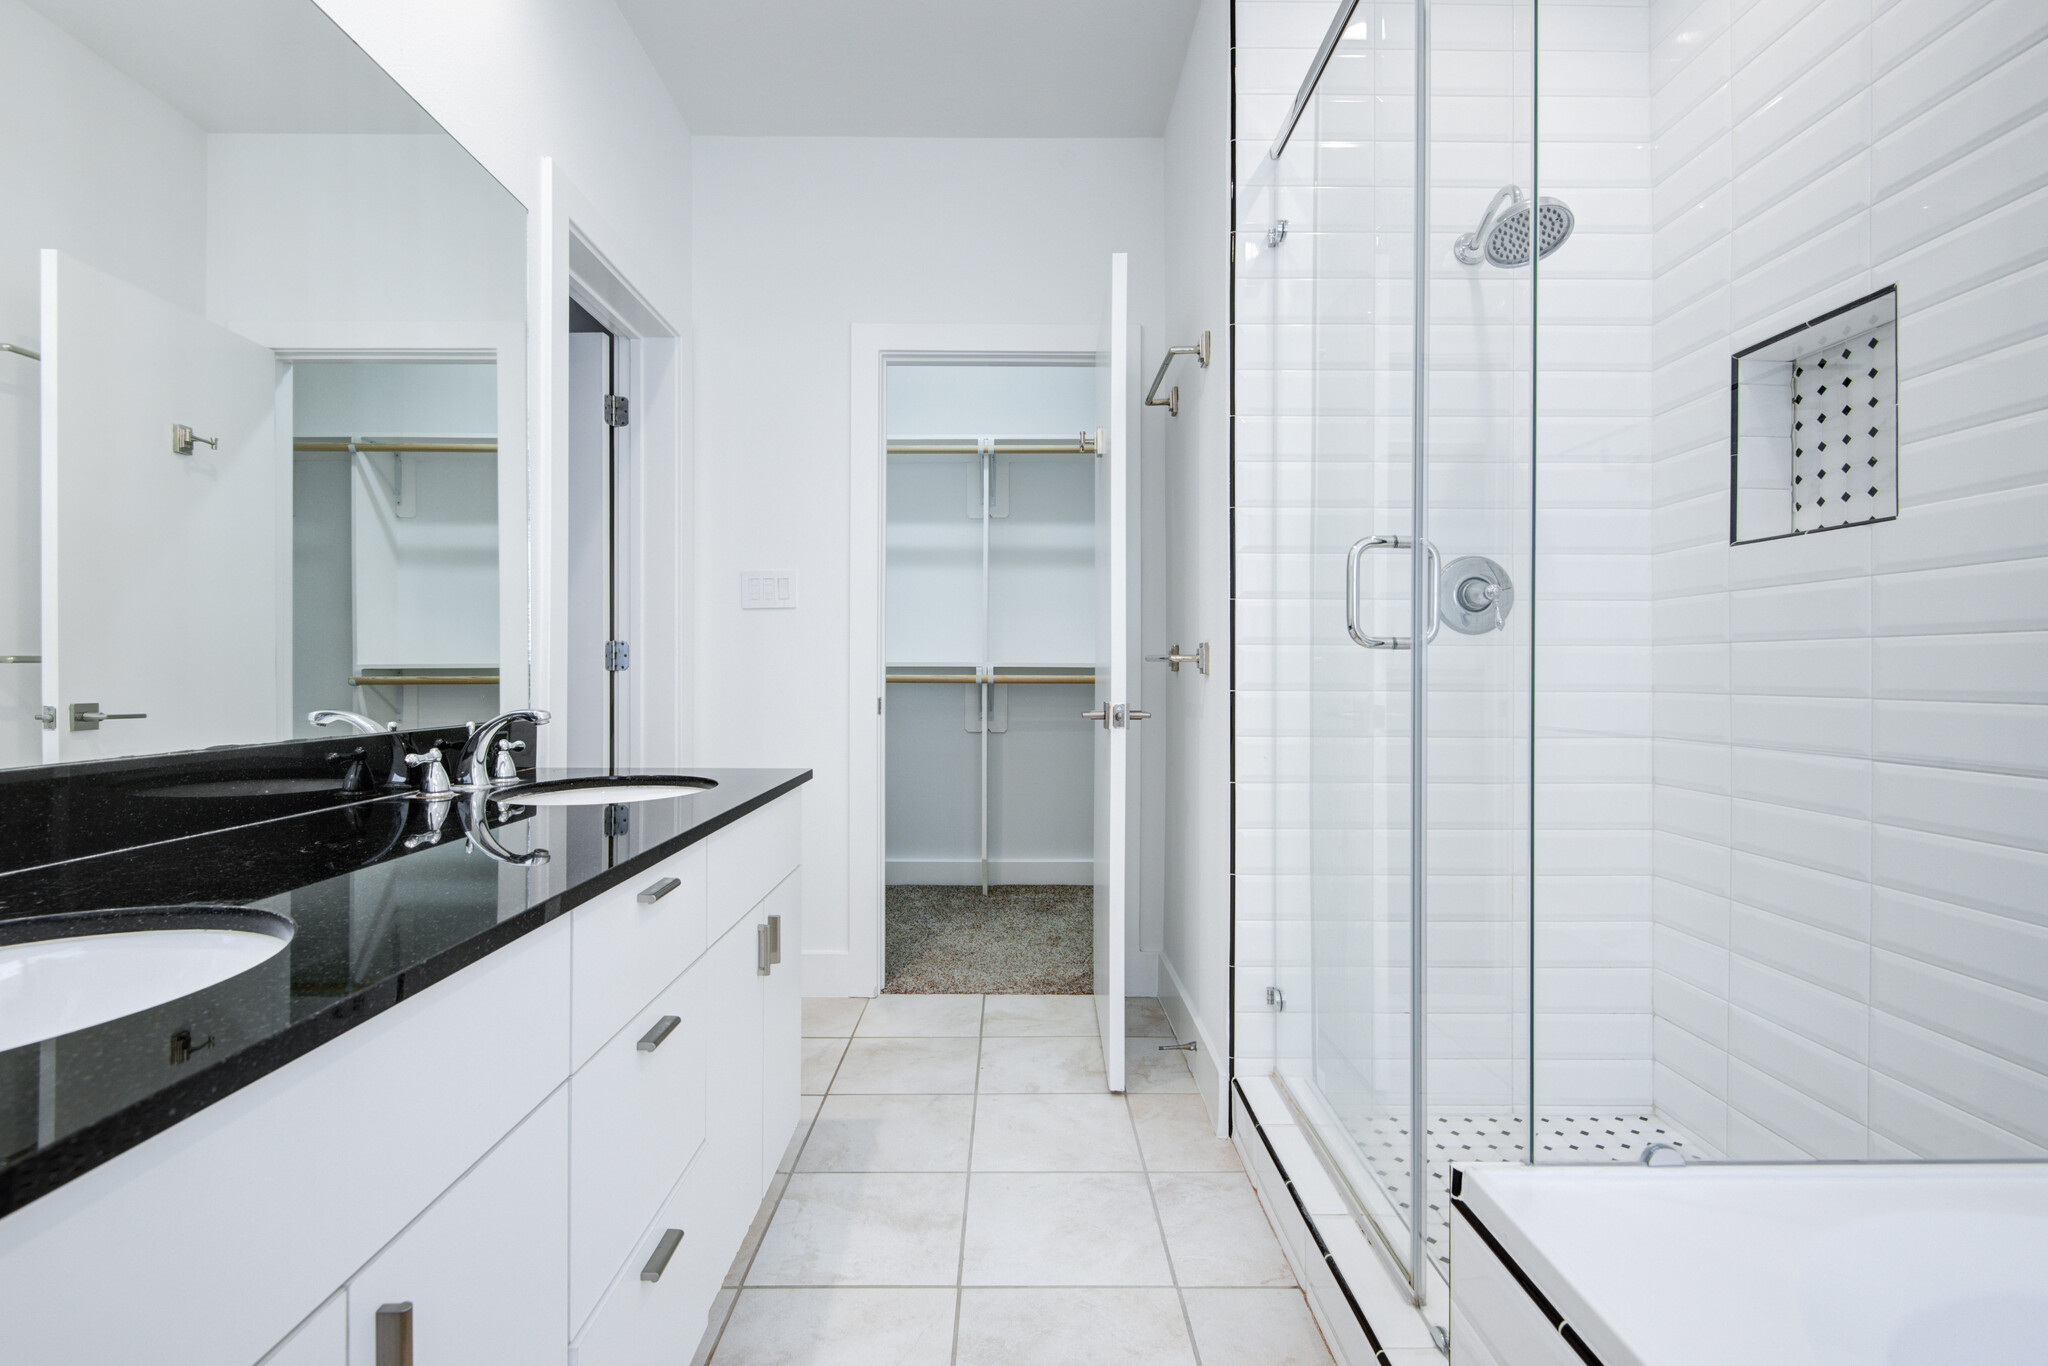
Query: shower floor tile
x=1466 y=1136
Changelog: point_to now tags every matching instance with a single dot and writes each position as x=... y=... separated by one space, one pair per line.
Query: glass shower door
x=1418 y=450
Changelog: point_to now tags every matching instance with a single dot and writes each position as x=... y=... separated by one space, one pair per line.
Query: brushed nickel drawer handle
x=761 y=962
x=774 y=939
x=663 y=1027
x=394 y=1334
x=663 y=1250
x=655 y=891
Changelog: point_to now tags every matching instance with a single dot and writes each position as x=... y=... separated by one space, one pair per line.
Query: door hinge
x=615 y=409
x=618 y=819
x=618 y=656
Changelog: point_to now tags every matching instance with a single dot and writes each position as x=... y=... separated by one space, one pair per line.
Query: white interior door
x=1116 y=675
x=166 y=579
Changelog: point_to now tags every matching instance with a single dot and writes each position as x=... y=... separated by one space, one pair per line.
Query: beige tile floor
x=962 y=1191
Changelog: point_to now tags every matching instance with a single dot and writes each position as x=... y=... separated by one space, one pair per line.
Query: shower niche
x=1814 y=442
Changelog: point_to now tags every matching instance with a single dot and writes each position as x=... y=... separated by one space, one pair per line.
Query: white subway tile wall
x=1850 y=954
x=1791 y=799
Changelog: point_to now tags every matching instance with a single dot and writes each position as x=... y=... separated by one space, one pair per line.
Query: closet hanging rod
x=399 y=447
x=1171 y=402
x=21 y=350
x=421 y=680
x=1084 y=444
x=991 y=678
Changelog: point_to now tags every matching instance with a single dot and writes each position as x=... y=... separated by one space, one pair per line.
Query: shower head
x=1503 y=235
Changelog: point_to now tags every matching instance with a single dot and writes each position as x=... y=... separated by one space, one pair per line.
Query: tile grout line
x=967 y=1185
x=1173 y=1272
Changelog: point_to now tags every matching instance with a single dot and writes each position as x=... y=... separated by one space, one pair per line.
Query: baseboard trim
x=1009 y=872
x=1210 y=1064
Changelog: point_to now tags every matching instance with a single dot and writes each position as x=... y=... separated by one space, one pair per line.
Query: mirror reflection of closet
x=395 y=540
x=230 y=234
x=990 y=784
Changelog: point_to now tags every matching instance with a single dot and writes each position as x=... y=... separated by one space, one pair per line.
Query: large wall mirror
x=262 y=402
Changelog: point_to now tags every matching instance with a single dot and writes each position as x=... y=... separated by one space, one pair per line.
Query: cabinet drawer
x=641 y=1321
x=636 y=1118
x=750 y=856
x=482 y=1268
x=627 y=949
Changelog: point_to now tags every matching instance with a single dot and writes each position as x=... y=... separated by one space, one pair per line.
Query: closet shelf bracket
x=1172 y=400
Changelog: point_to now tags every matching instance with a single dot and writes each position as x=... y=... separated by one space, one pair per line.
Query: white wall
x=368 y=240
x=796 y=240
x=123 y=188
x=565 y=79
x=1852 y=764
x=1193 y=711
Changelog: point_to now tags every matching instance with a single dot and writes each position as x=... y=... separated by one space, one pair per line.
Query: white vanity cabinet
x=644 y=1283
x=505 y=1151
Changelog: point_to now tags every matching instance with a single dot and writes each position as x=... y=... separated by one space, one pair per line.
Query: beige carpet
x=1036 y=940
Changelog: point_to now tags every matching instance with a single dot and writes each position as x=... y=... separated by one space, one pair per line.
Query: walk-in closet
x=991 y=645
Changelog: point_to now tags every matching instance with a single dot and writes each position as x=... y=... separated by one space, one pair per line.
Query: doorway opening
x=599 y=653
x=990 y=551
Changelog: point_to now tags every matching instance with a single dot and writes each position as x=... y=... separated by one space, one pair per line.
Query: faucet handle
x=434 y=781
x=504 y=768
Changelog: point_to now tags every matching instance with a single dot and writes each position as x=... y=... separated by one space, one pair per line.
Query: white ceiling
x=919 y=68
x=244 y=66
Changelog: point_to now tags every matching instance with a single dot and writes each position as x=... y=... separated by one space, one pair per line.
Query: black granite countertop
x=385 y=898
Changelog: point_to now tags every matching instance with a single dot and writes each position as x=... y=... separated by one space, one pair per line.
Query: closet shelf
x=991 y=678
x=1081 y=444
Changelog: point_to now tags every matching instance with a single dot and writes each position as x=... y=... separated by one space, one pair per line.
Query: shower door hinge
x=614 y=410
x=1276 y=998
x=618 y=656
x=618 y=819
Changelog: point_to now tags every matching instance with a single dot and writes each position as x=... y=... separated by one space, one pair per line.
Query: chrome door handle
x=394 y=1334
x=1432 y=614
x=671 y=1239
x=1102 y=716
x=1358 y=549
x=654 y=1037
x=87 y=716
x=1432 y=565
x=774 y=939
x=655 y=891
x=1138 y=715
x=761 y=963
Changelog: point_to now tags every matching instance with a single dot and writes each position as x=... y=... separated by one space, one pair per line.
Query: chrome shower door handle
x=1432 y=568
x=1358 y=549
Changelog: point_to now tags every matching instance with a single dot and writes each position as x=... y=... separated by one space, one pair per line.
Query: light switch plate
x=767 y=589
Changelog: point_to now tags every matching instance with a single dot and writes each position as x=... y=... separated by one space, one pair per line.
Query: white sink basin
x=602 y=791
x=56 y=980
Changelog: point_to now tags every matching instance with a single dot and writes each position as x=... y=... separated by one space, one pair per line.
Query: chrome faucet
x=472 y=770
x=355 y=719
x=476 y=828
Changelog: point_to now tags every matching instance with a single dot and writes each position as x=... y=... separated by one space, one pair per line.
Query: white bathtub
x=1875 y=1264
